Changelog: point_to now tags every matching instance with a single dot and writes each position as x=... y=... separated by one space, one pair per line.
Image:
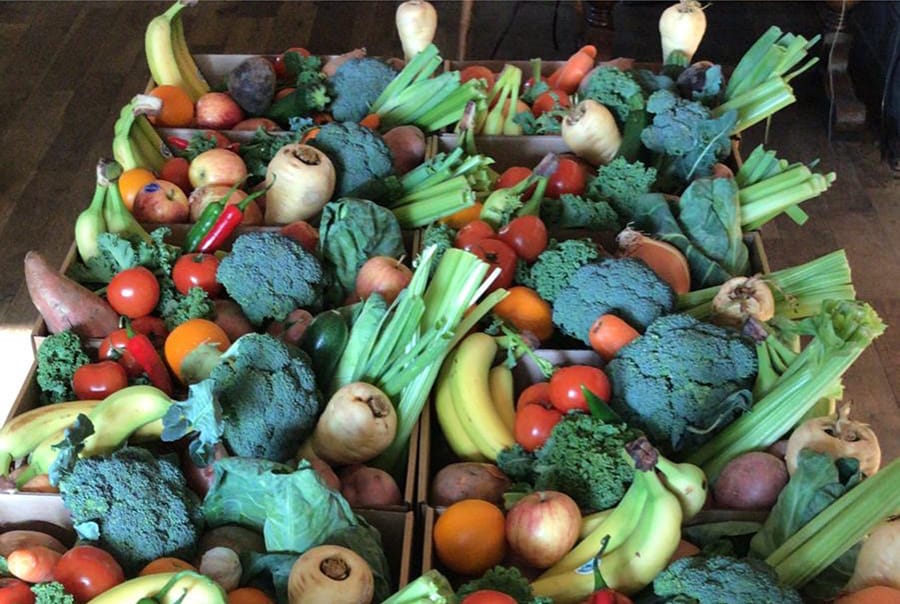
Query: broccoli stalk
x=505 y=96
x=503 y=205
x=430 y=588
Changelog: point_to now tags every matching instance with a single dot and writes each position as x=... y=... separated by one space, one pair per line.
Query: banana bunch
x=168 y=56
x=136 y=143
x=133 y=412
x=474 y=402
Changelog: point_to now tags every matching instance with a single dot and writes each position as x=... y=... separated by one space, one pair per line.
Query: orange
x=177 y=107
x=166 y=565
x=470 y=537
x=878 y=594
x=249 y=595
x=459 y=219
x=193 y=335
x=525 y=310
x=133 y=181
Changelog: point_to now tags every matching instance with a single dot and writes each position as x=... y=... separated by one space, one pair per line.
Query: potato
x=231 y=319
x=751 y=481
x=407 y=145
x=252 y=84
x=368 y=487
x=469 y=480
x=232 y=536
x=778 y=448
x=325 y=473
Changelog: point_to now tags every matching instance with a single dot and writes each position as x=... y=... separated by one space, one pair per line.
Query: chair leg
x=465 y=20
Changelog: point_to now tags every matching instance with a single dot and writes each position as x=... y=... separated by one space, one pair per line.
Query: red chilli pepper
x=177 y=142
x=228 y=220
x=141 y=348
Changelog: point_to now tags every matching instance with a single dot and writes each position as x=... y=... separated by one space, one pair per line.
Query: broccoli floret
x=268 y=394
x=505 y=579
x=720 y=579
x=556 y=264
x=356 y=85
x=270 y=275
x=51 y=593
x=440 y=235
x=57 y=359
x=625 y=287
x=310 y=92
x=175 y=308
x=577 y=212
x=360 y=156
x=683 y=381
x=617 y=90
x=620 y=182
x=135 y=505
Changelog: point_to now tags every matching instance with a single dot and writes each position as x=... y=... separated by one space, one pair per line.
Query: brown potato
x=469 y=480
x=366 y=487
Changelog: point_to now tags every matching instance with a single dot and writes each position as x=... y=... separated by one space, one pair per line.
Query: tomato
x=571 y=176
x=152 y=327
x=96 y=381
x=513 y=176
x=548 y=100
x=197 y=270
x=87 y=571
x=526 y=235
x=187 y=337
x=113 y=348
x=488 y=596
x=538 y=393
x=278 y=62
x=133 y=292
x=14 y=591
x=498 y=255
x=473 y=232
x=473 y=72
x=566 y=383
x=534 y=423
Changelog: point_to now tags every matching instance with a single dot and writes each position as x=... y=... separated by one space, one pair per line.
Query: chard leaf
x=709 y=214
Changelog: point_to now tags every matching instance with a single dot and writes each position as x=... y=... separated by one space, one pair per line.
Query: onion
x=590 y=131
x=301 y=180
x=358 y=424
x=838 y=436
x=740 y=298
x=333 y=574
x=878 y=562
x=416 y=25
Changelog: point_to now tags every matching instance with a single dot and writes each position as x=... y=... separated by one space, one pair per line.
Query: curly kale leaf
x=577 y=212
x=58 y=357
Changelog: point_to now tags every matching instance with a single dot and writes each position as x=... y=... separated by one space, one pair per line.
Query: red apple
x=542 y=527
x=204 y=196
x=161 y=201
x=303 y=233
x=175 y=170
x=383 y=274
x=217 y=110
x=255 y=122
x=217 y=167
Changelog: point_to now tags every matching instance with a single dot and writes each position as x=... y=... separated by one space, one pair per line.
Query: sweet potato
x=10 y=541
x=231 y=319
x=33 y=564
x=252 y=84
x=469 y=480
x=65 y=304
x=368 y=487
x=407 y=145
x=751 y=481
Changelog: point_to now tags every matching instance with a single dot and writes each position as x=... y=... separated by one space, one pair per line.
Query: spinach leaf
x=710 y=215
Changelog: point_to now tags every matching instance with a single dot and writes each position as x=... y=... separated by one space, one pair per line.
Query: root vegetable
x=368 y=487
x=358 y=424
x=223 y=566
x=236 y=538
x=740 y=298
x=332 y=65
x=33 y=564
x=877 y=560
x=10 y=541
x=326 y=473
x=681 y=29
x=252 y=84
x=590 y=131
x=469 y=480
x=416 y=25
x=751 y=481
x=407 y=145
x=302 y=181
x=838 y=436
x=330 y=573
x=663 y=258
x=609 y=334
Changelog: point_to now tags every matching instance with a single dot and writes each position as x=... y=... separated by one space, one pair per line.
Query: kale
x=620 y=182
x=577 y=212
x=554 y=266
x=58 y=357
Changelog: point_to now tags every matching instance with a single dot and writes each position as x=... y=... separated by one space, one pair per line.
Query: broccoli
x=721 y=580
x=556 y=264
x=615 y=89
x=619 y=182
x=683 y=381
x=576 y=212
x=136 y=506
x=626 y=287
x=51 y=593
x=269 y=275
x=361 y=159
x=175 y=308
x=440 y=235
x=505 y=579
x=310 y=93
x=57 y=359
x=356 y=84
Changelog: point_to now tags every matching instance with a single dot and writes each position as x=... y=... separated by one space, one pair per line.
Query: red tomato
x=536 y=394
x=152 y=327
x=548 y=100
x=197 y=270
x=87 y=571
x=513 y=176
x=133 y=292
x=498 y=255
x=526 y=235
x=96 y=381
x=14 y=591
x=303 y=233
x=278 y=62
x=488 y=596
x=473 y=72
x=113 y=348
x=566 y=383
x=473 y=232
x=571 y=176
x=222 y=141
x=534 y=423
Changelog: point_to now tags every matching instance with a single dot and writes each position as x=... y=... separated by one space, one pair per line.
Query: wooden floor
x=67 y=67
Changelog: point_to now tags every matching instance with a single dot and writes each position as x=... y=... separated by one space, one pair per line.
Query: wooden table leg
x=465 y=20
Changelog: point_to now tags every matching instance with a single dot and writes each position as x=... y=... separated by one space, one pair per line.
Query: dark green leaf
x=200 y=413
x=69 y=447
x=599 y=408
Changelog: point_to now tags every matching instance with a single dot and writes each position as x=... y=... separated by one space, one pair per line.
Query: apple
x=217 y=110
x=217 y=167
x=384 y=275
x=161 y=201
x=303 y=233
x=542 y=527
x=175 y=170
x=203 y=196
x=256 y=122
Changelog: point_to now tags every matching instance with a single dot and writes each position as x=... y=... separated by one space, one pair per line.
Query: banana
x=500 y=380
x=195 y=84
x=471 y=395
x=153 y=159
x=126 y=153
x=145 y=128
x=159 y=46
x=687 y=482
x=90 y=223
x=23 y=433
x=591 y=522
x=456 y=435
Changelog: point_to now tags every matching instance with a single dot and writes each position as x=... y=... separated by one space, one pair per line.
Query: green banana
x=90 y=223
x=118 y=219
x=153 y=159
x=451 y=426
x=143 y=126
x=687 y=482
x=131 y=149
x=500 y=380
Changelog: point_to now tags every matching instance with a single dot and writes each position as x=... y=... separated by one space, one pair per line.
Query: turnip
x=681 y=28
x=416 y=25
x=302 y=181
x=590 y=131
x=330 y=573
x=838 y=436
x=877 y=563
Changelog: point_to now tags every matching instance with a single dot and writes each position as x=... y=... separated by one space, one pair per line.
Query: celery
x=416 y=66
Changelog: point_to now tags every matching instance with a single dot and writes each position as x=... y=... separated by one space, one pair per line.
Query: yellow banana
x=161 y=52
x=195 y=84
x=687 y=482
x=471 y=395
x=591 y=522
x=500 y=380
x=152 y=159
x=453 y=430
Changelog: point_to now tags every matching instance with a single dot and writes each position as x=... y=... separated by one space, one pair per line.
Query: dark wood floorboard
x=67 y=67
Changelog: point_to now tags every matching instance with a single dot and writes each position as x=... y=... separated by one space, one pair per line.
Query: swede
x=877 y=561
x=740 y=298
x=302 y=181
x=838 y=436
x=681 y=29
x=590 y=131
x=330 y=573
x=416 y=25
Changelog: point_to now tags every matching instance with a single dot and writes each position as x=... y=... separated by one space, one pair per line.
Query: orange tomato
x=177 y=107
x=188 y=337
x=470 y=537
x=133 y=181
x=249 y=595
x=166 y=565
x=525 y=310
x=878 y=594
x=459 y=219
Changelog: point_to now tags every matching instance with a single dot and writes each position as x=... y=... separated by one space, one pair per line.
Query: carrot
x=310 y=134
x=10 y=541
x=568 y=76
x=459 y=219
x=664 y=258
x=65 y=304
x=608 y=334
x=33 y=564
x=371 y=121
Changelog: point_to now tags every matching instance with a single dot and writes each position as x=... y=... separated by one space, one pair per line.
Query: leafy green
x=577 y=212
x=550 y=273
x=117 y=254
x=619 y=182
x=365 y=540
x=199 y=143
x=269 y=571
x=200 y=413
x=709 y=213
x=57 y=359
x=506 y=579
x=548 y=122
x=51 y=593
x=176 y=308
x=69 y=447
x=616 y=90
